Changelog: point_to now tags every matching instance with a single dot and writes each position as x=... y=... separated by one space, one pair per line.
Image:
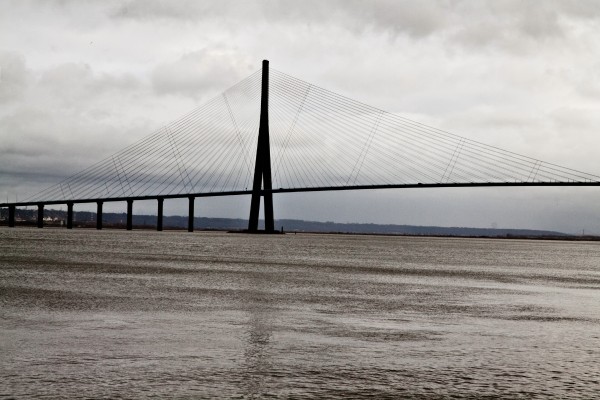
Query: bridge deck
x=297 y=190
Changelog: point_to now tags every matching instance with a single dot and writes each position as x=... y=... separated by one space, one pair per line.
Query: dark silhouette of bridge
x=321 y=141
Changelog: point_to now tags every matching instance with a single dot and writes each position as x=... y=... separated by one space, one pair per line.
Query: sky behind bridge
x=81 y=80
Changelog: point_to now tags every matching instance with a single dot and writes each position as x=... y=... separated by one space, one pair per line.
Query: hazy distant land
x=84 y=219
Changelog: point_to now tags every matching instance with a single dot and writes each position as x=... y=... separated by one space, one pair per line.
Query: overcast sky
x=79 y=80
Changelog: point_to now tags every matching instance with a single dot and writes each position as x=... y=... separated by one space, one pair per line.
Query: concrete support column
x=11 y=216
x=191 y=214
x=69 y=215
x=159 y=216
x=40 y=216
x=99 y=215
x=129 y=215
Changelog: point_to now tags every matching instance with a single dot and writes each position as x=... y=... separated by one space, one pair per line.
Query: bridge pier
x=129 y=215
x=70 y=215
x=99 y=215
x=262 y=166
x=11 y=216
x=40 y=216
x=191 y=214
x=159 y=215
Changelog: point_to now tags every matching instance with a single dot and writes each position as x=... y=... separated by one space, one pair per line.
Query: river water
x=116 y=314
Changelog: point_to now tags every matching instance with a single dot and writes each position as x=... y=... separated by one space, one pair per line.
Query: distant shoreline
x=519 y=237
x=86 y=219
x=87 y=226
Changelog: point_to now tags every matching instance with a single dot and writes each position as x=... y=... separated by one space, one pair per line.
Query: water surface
x=108 y=314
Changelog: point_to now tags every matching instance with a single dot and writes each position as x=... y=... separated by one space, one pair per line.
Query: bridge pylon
x=262 y=185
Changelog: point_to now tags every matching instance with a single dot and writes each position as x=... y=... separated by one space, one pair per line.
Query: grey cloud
x=502 y=23
x=14 y=76
x=413 y=18
x=69 y=119
x=39 y=140
x=196 y=73
x=77 y=81
x=517 y=26
x=51 y=146
x=587 y=81
x=417 y=19
x=139 y=9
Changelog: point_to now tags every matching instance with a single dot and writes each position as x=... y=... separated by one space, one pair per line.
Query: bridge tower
x=262 y=185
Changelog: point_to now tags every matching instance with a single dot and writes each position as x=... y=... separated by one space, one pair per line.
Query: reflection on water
x=257 y=361
x=137 y=314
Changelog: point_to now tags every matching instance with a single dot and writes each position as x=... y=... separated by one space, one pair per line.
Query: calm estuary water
x=116 y=314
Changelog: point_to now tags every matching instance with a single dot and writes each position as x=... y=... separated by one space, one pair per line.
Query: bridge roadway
x=192 y=196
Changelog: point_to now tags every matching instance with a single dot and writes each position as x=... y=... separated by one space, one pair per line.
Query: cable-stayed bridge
x=273 y=133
